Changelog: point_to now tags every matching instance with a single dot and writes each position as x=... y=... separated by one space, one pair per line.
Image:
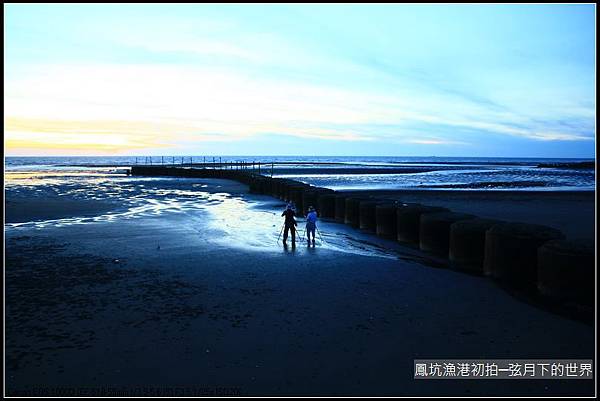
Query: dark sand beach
x=189 y=293
x=24 y=209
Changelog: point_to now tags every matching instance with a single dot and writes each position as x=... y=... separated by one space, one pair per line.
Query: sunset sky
x=399 y=80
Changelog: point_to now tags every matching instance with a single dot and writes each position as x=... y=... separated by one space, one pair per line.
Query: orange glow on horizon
x=24 y=135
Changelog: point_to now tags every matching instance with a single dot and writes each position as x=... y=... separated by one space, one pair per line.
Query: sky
x=356 y=80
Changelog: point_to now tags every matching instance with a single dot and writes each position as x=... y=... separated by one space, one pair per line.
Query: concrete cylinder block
x=291 y=189
x=254 y=185
x=408 y=220
x=326 y=206
x=511 y=251
x=367 y=215
x=340 y=208
x=434 y=231
x=296 y=197
x=309 y=198
x=565 y=271
x=283 y=189
x=385 y=220
x=276 y=188
x=467 y=244
x=265 y=185
x=352 y=211
x=323 y=192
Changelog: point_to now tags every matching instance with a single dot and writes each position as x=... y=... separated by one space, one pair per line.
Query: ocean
x=339 y=173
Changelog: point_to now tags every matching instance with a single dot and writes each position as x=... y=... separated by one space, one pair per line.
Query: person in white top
x=311 y=223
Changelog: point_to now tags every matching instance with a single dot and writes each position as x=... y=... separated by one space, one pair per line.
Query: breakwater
x=530 y=257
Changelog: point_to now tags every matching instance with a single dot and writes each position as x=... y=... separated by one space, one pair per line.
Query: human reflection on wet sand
x=289 y=249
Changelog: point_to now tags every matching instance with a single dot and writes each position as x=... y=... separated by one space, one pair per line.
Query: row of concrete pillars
x=527 y=256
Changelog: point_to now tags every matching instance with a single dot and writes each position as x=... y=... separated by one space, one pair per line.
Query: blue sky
x=428 y=80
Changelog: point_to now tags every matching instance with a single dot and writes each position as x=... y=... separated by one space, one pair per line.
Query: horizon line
x=316 y=156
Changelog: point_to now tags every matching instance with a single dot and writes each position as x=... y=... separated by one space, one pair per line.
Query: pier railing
x=205 y=163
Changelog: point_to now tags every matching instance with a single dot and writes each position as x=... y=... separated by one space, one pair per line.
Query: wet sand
x=202 y=300
x=20 y=210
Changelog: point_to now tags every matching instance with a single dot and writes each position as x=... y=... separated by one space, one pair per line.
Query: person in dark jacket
x=290 y=224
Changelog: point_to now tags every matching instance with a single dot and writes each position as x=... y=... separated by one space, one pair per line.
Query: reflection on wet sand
x=243 y=220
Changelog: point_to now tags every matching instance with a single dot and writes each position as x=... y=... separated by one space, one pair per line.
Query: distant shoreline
x=570 y=165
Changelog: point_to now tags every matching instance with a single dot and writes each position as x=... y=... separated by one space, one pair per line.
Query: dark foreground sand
x=203 y=301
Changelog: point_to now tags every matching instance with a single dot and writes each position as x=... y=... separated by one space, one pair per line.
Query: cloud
x=559 y=136
x=117 y=135
x=420 y=141
x=533 y=132
x=138 y=106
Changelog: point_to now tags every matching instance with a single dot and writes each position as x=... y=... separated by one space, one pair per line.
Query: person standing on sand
x=311 y=224
x=290 y=224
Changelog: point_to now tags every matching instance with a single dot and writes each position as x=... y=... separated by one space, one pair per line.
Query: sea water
x=342 y=173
